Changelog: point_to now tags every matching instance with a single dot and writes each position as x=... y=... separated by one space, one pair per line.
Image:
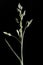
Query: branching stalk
x=20 y=33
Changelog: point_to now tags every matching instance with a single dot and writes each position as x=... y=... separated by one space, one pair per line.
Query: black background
x=32 y=39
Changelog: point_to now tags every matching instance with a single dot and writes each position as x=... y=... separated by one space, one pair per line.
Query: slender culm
x=20 y=33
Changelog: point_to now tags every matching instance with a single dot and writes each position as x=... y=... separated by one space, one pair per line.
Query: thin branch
x=27 y=26
x=16 y=39
x=12 y=50
x=9 y=34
